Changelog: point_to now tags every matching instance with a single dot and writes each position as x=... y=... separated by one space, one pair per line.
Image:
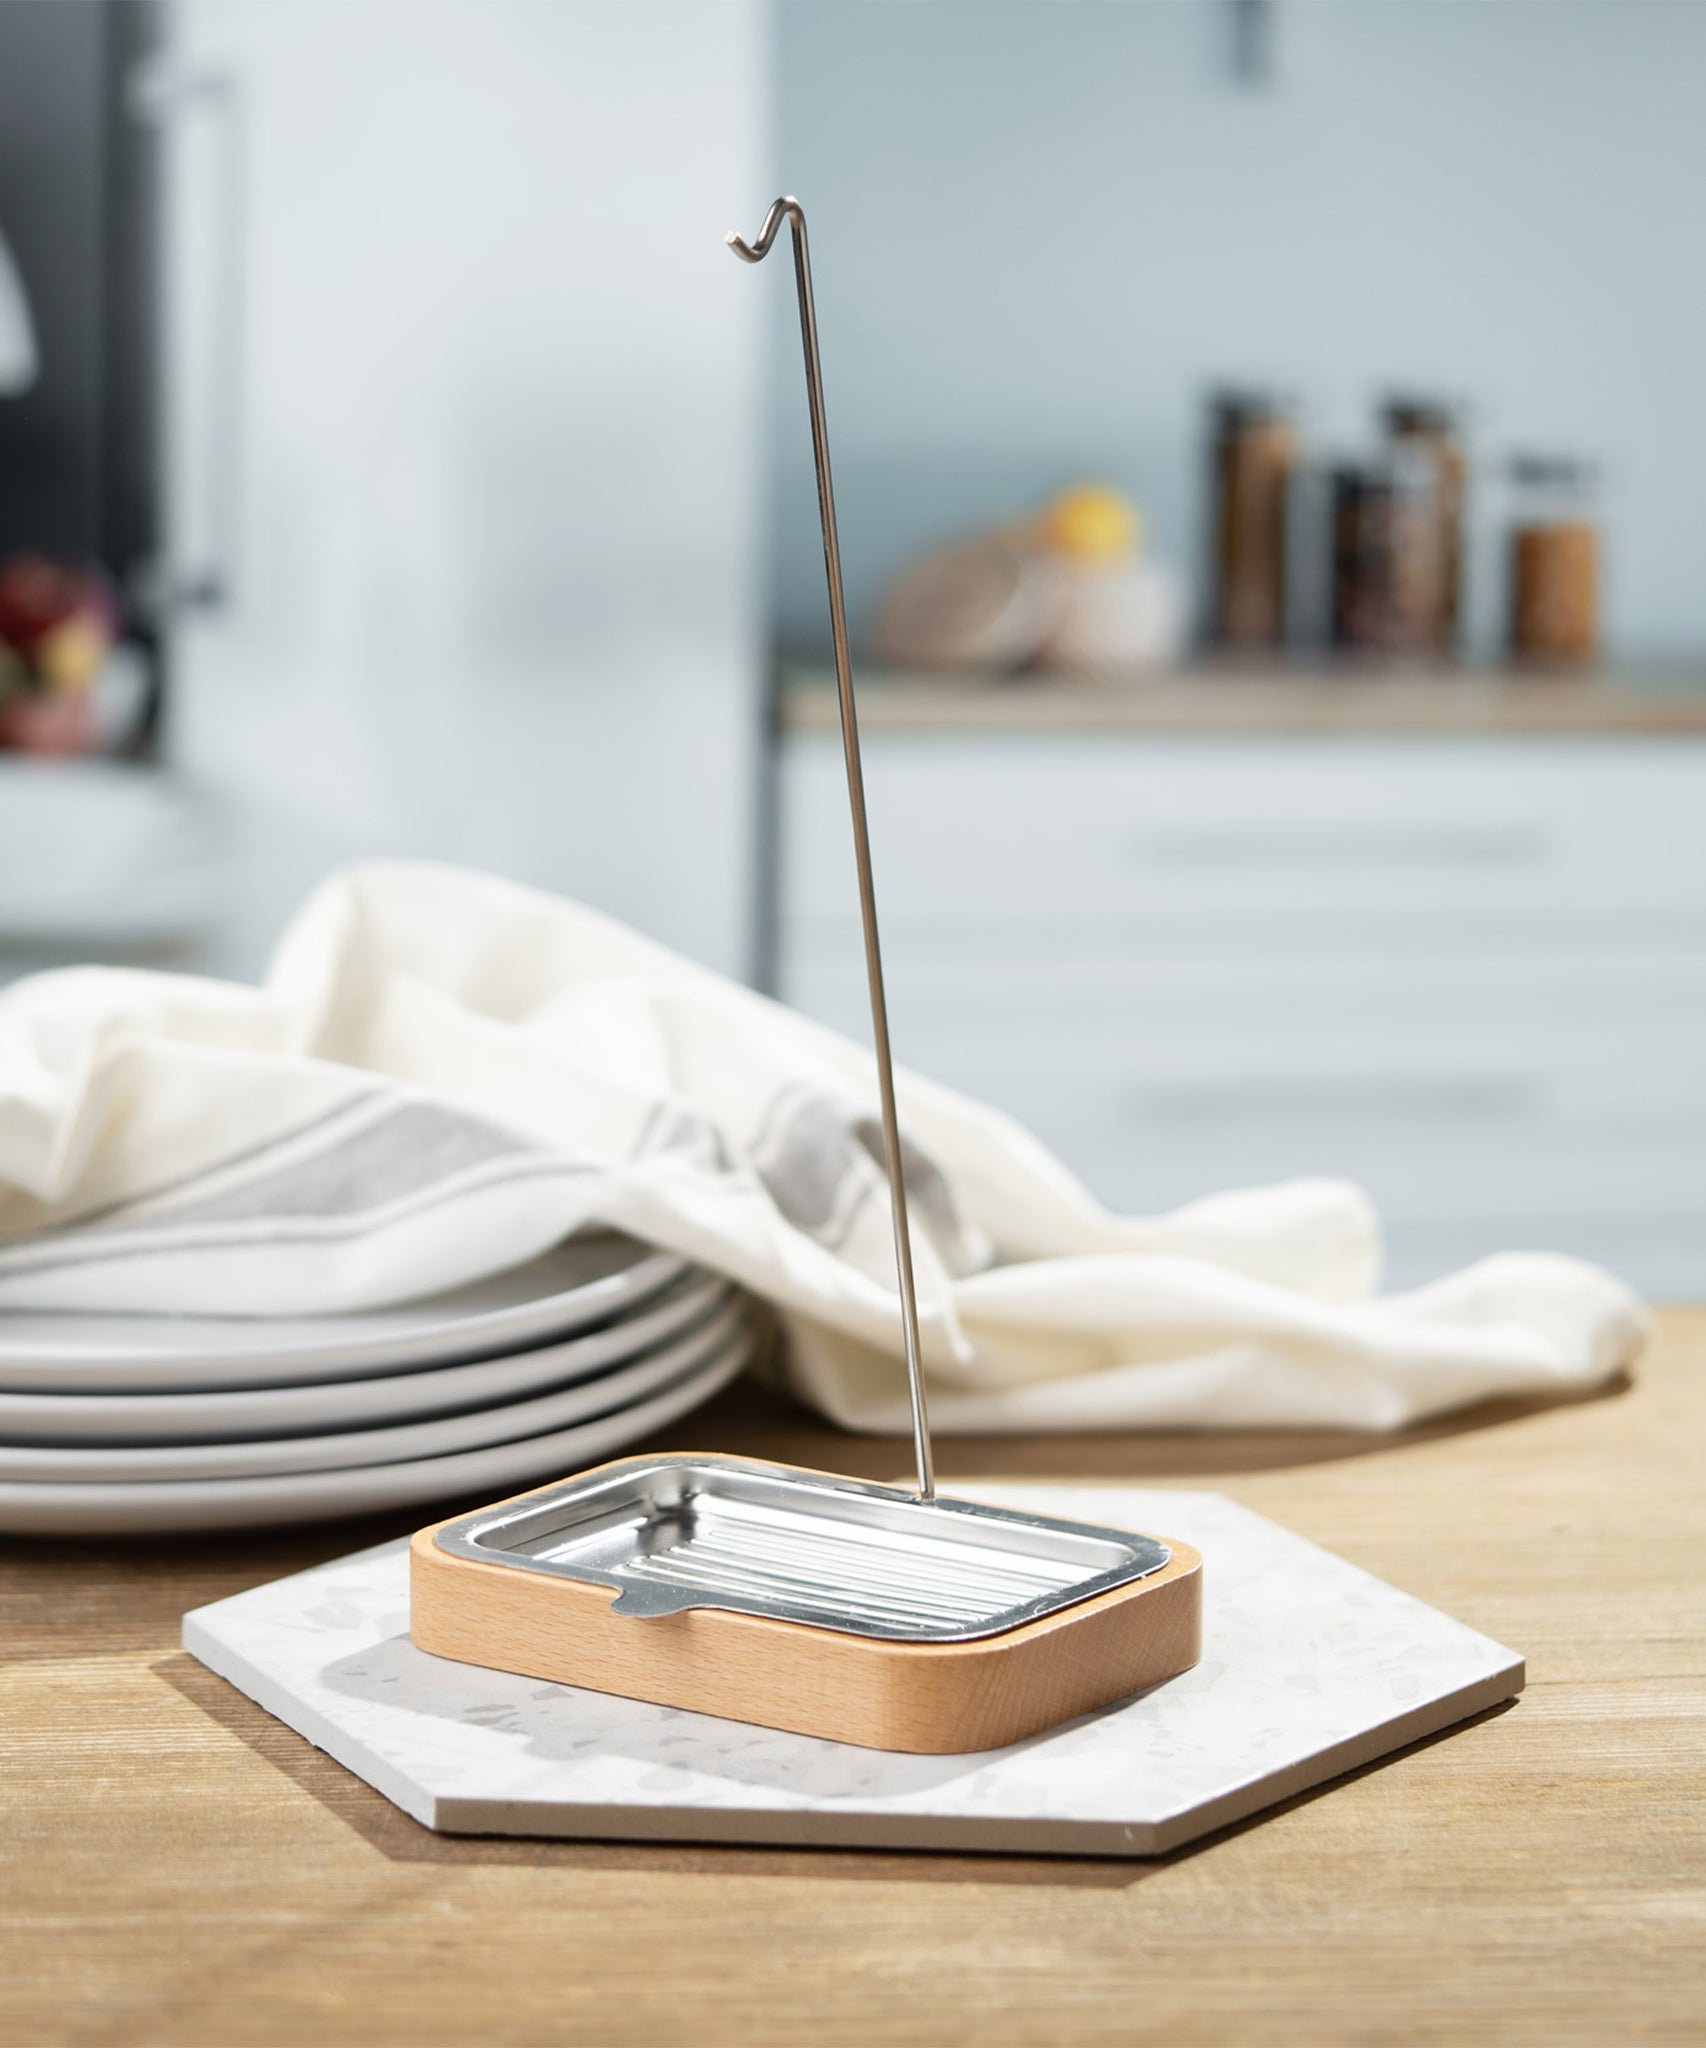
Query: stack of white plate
x=192 y=1422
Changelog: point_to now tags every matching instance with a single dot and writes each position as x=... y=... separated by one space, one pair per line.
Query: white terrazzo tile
x=1310 y=1668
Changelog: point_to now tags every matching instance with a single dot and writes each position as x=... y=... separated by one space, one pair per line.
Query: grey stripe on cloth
x=809 y=1156
x=672 y=1125
x=374 y=1161
x=821 y=1158
x=62 y=1250
x=251 y=1155
x=416 y=1144
x=928 y=1189
x=409 y=1155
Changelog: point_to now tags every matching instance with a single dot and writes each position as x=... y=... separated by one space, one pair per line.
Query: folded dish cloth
x=443 y=1074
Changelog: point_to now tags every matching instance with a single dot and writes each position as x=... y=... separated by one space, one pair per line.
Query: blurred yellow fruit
x=1092 y=523
x=69 y=655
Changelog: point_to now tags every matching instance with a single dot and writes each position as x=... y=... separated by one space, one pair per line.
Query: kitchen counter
x=1242 y=699
x=179 y=1869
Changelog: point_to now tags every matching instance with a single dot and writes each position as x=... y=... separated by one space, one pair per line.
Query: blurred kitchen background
x=1270 y=458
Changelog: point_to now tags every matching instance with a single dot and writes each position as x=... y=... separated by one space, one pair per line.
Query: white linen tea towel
x=443 y=1074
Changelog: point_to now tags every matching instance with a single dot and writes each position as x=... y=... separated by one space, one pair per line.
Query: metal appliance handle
x=166 y=94
x=754 y=252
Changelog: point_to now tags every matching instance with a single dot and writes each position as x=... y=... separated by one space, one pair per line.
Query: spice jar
x=1388 y=567
x=1554 y=561
x=1254 y=446
x=1425 y=433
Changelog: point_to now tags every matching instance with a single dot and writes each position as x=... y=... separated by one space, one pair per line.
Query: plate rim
x=684 y=1353
x=291 y=1499
x=580 y=1356
x=468 y=1340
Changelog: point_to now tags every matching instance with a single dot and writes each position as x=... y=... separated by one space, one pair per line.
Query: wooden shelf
x=1280 y=699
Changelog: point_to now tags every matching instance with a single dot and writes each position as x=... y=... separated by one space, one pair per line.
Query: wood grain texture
x=177 y=1870
x=1233 y=698
x=922 y=1698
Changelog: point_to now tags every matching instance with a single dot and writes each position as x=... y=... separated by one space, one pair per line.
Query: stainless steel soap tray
x=704 y=1531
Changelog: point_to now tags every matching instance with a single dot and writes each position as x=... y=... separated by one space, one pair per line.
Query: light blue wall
x=1043 y=227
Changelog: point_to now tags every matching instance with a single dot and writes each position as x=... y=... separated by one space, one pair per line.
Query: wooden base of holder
x=926 y=1698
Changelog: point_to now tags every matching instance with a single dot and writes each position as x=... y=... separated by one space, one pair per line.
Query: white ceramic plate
x=253 y=1412
x=404 y=1443
x=90 y=1510
x=587 y=1279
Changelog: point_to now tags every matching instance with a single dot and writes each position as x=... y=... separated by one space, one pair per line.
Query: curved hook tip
x=755 y=251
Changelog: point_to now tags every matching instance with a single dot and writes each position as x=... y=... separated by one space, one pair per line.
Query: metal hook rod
x=754 y=252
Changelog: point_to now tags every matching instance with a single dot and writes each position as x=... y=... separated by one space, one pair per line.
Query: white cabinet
x=105 y=860
x=489 y=517
x=1469 y=972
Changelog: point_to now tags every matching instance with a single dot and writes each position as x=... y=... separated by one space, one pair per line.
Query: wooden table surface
x=179 y=1869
